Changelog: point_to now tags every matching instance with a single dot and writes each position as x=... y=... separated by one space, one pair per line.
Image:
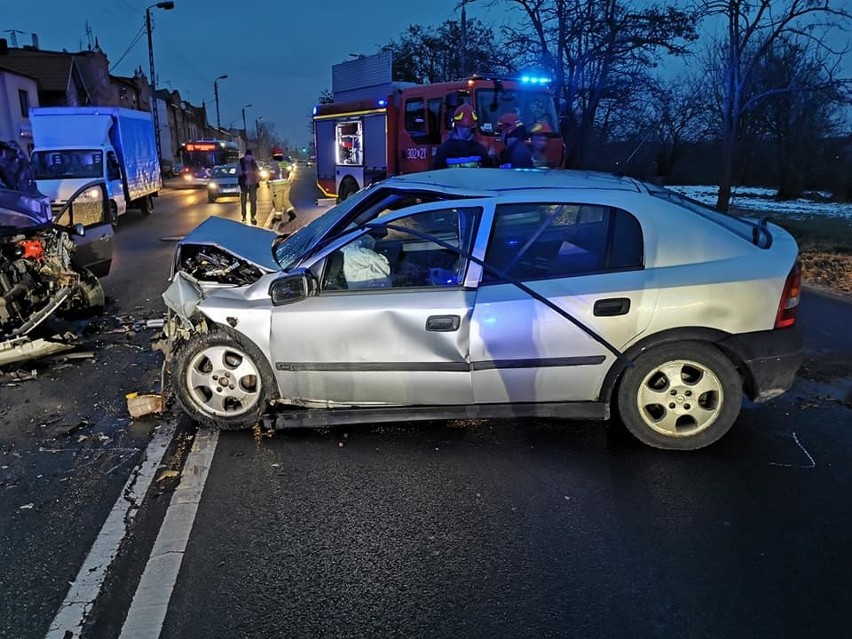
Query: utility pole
x=167 y=5
x=463 y=38
x=216 y=96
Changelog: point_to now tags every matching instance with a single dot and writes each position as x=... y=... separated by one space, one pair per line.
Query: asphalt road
x=460 y=529
x=67 y=443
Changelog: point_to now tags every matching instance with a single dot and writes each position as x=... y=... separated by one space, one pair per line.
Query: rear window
x=739 y=226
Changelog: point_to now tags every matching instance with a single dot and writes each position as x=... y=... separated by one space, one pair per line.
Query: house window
x=24 y=99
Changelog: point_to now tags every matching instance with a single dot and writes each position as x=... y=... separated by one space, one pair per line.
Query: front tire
x=681 y=396
x=222 y=380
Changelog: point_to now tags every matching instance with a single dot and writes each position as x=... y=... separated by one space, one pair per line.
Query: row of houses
x=32 y=77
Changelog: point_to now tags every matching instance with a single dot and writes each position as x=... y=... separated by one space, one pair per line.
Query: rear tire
x=198 y=368
x=347 y=188
x=211 y=198
x=113 y=214
x=680 y=396
x=145 y=205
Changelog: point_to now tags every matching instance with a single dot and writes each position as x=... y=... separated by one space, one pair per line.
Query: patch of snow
x=761 y=200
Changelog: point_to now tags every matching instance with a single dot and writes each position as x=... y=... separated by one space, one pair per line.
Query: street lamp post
x=257 y=133
x=216 y=95
x=168 y=5
x=245 y=130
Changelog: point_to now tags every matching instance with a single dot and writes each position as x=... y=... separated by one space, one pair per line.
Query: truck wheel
x=145 y=205
x=680 y=396
x=348 y=187
x=210 y=197
x=113 y=213
x=222 y=380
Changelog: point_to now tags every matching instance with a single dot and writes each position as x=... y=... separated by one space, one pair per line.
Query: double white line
x=150 y=602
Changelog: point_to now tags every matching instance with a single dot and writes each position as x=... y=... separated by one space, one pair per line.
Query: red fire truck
x=362 y=141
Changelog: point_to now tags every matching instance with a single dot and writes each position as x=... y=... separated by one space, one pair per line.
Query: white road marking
x=807 y=454
x=85 y=588
x=151 y=600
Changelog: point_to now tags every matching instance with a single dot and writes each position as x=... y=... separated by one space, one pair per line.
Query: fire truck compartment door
x=325 y=161
x=376 y=142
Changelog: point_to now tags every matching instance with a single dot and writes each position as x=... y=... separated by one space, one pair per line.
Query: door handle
x=612 y=306
x=443 y=323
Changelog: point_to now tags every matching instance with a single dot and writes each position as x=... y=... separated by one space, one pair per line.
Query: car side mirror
x=79 y=230
x=291 y=288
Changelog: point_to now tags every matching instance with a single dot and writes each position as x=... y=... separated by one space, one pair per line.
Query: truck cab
x=61 y=171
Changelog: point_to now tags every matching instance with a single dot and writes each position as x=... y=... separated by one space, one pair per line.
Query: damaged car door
x=89 y=208
x=390 y=323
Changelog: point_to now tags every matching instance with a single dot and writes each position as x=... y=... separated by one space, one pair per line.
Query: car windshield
x=224 y=171
x=530 y=106
x=287 y=252
x=70 y=163
x=377 y=202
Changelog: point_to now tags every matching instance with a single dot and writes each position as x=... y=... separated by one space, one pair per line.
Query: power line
x=135 y=41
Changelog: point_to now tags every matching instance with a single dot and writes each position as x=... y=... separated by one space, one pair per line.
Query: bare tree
x=424 y=54
x=598 y=52
x=797 y=122
x=673 y=113
x=752 y=30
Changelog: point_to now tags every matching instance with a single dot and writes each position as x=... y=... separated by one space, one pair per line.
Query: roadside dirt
x=826 y=269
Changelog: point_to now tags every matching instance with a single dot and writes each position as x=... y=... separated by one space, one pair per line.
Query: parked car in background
x=177 y=169
x=223 y=182
x=490 y=293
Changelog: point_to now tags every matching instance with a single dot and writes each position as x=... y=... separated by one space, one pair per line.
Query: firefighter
x=516 y=154
x=460 y=149
x=539 y=134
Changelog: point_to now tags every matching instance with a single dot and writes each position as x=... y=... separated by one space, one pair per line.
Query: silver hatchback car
x=489 y=293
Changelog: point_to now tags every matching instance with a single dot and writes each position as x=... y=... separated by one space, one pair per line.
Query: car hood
x=19 y=210
x=250 y=243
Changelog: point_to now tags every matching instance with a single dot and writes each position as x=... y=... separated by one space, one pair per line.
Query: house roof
x=51 y=69
x=23 y=75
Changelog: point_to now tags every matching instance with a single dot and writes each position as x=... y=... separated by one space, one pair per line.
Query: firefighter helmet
x=541 y=128
x=464 y=116
x=508 y=122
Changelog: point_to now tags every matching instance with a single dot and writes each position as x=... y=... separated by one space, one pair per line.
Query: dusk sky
x=277 y=55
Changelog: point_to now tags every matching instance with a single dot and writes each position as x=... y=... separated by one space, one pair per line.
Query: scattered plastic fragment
x=141 y=405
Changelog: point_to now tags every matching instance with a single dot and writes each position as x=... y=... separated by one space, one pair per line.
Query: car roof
x=494 y=181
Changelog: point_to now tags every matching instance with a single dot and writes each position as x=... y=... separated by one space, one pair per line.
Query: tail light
x=790 y=299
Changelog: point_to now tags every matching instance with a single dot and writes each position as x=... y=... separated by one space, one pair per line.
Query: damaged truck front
x=49 y=266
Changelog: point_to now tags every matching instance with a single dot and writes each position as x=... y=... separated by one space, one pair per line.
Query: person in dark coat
x=460 y=149
x=516 y=154
x=248 y=176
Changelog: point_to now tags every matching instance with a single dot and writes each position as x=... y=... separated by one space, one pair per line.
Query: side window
x=415 y=119
x=434 y=116
x=545 y=241
x=113 y=169
x=401 y=257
